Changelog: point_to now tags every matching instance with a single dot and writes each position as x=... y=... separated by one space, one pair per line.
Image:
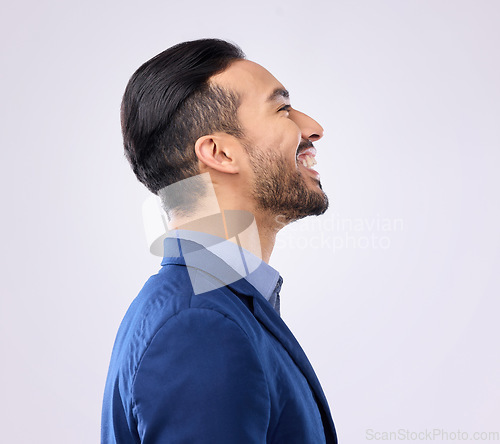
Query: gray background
x=393 y=293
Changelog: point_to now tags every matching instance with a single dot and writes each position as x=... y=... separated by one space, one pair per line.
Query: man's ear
x=219 y=151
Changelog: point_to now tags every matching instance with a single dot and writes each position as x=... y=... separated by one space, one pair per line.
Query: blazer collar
x=180 y=253
x=245 y=263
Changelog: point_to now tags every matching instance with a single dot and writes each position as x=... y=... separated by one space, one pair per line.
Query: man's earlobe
x=216 y=152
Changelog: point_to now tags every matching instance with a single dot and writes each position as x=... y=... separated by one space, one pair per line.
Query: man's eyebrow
x=277 y=93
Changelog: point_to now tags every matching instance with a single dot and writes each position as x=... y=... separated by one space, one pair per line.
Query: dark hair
x=169 y=103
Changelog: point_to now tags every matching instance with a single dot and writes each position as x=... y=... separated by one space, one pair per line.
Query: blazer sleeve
x=201 y=381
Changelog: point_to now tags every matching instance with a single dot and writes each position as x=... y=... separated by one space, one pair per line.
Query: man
x=202 y=355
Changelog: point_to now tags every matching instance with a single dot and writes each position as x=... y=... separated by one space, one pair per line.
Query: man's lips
x=311 y=151
x=303 y=146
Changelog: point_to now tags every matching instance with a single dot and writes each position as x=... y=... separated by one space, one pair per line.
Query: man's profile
x=202 y=354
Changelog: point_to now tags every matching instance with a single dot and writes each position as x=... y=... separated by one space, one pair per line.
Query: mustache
x=303 y=145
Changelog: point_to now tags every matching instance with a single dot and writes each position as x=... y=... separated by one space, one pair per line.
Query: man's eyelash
x=285 y=108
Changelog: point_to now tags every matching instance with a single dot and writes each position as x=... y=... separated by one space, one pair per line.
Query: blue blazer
x=220 y=367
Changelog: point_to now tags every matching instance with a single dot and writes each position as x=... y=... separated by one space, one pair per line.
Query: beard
x=282 y=191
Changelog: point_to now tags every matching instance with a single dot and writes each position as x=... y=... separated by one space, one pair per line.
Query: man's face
x=279 y=140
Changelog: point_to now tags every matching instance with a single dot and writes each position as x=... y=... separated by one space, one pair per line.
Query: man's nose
x=310 y=129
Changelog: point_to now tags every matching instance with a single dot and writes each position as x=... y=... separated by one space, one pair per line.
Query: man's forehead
x=249 y=79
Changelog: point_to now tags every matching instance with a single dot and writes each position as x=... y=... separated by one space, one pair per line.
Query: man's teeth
x=308 y=161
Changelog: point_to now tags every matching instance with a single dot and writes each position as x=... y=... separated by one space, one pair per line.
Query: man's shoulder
x=170 y=292
x=166 y=298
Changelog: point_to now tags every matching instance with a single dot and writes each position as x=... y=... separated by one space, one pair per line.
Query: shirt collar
x=247 y=265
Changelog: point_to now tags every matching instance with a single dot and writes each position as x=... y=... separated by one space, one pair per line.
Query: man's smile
x=306 y=159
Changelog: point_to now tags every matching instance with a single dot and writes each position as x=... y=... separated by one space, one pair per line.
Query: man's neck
x=254 y=234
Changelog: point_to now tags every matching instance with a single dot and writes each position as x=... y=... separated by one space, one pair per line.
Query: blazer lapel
x=271 y=320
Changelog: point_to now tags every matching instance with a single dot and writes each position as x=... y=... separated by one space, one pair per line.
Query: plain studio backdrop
x=393 y=293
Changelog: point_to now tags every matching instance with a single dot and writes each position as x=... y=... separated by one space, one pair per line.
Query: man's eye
x=285 y=108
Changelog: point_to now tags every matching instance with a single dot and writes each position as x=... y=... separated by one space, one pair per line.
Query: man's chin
x=290 y=195
x=315 y=190
x=316 y=205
